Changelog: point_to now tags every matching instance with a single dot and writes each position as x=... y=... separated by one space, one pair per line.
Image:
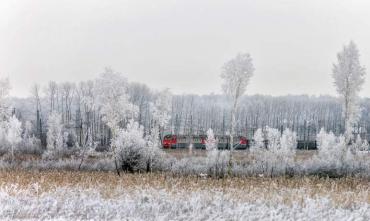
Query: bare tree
x=51 y=92
x=35 y=91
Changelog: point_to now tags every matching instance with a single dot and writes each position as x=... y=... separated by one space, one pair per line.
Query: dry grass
x=342 y=192
x=240 y=155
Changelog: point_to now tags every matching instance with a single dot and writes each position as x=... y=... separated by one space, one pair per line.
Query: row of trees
x=193 y=114
x=303 y=114
x=91 y=113
x=130 y=119
x=348 y=75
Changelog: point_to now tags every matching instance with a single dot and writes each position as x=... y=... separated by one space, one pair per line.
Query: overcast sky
x=181 y=44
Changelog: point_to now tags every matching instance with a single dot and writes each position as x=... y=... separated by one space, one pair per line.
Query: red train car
x=169 y=141
x=199 y=142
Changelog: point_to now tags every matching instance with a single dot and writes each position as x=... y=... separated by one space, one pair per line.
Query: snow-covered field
x=105 y=196
x=154 y=204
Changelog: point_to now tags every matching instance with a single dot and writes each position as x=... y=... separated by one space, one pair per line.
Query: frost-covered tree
x=325 y=143
x=365 y=145
x=216 y=160
x=4 y=92
x=349 y=76
x=288 y=140
x=161 y=109
x=360 y=144
x=30 y=143
x=114 y=100
x=273 y=138
x=288 y=145
x=130 y=144
x=86 y=110
x=211 y=141
x=27 y=130
x=55 y=132
x=236 y=75
x=258 y=138
x=357 y=144
x=331 y=149
x=51 y=92
x=152 y=148
x=66 y=136
x=278 y=157
x=14 y=135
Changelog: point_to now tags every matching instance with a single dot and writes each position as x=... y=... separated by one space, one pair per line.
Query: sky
x=181 y=45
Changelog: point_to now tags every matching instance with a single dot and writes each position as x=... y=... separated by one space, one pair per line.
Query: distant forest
x=189 y=114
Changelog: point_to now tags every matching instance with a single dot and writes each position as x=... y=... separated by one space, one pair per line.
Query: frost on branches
x=14 y=133
x=278 y=157
x=288 y=143
x=236 y=75
x=161 y=108
x=153 y=153
x=4 y=92
x=216 y=160
x=30 y=144
x=360 y=144
x=12 y=140
x=334 y=156
x=55 y=132
x=113 y=99
x=211 y=142
x=130 y=144
x=134 y=152
x=258 y=139
x=330 y=147
x=349 y=76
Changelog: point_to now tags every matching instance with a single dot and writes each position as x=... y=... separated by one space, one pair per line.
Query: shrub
x=54 y=134
x=130 y=148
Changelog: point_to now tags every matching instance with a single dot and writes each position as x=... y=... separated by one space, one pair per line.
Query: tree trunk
x=232 y=131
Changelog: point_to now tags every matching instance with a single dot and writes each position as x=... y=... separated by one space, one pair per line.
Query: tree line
x=91 y=111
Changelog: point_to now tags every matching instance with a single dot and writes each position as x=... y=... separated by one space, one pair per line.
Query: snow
x=147 y=203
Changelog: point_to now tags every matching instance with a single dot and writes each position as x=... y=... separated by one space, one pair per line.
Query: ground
x=104 y=195
x=238 y=154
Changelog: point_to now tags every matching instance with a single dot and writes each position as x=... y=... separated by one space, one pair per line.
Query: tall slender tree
x=4 y=93
x=349 y=76
x=236 y=75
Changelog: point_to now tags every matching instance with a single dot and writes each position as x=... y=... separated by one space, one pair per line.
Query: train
x=199 y=142
x=171 y=141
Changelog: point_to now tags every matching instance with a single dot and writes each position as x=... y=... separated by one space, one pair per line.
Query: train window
x=181 y=139
x=168 y=137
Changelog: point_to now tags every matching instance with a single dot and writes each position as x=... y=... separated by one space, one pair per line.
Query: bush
x=189 y=166
x=58 y=154
x=30 y=145
x=130 y=148
x=217 y=163
x=278 y=157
